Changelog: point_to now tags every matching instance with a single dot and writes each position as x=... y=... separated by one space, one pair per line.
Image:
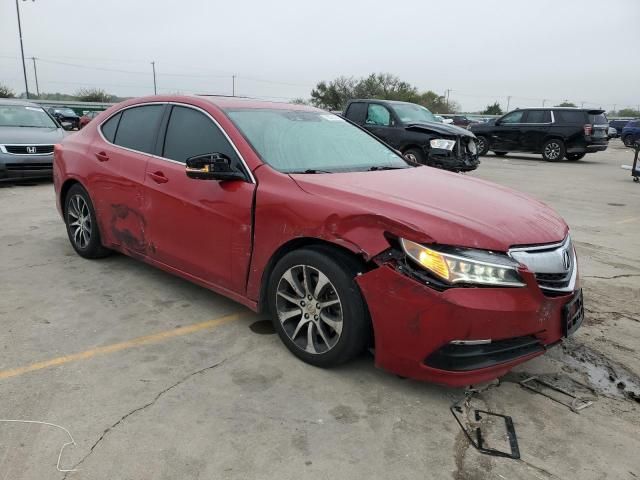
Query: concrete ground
x=156 y=378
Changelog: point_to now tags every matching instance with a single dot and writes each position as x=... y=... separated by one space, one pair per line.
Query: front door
x=506 y=133
x=536 y=124
x=201 y=228
x=380 y=122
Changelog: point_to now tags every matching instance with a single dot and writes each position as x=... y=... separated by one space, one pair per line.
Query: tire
x=553 y=150
x=627 y=140
x=341 y=330
x=415 y=155
x=483 y=145
x=575 y=156
x=84 y=236
x=500 y=154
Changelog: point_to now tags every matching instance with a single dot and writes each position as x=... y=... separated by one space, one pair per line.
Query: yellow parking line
x=628 y=220
x=116 y=347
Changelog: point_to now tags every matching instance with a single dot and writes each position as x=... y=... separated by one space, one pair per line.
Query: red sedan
x=295 y=211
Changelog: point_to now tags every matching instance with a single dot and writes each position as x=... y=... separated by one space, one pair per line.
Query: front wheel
x=553 y=150
x=82 y=226
x=483 y=145
x=415 y=155
x=575 y=156
x=316 y=306
x=628 y=141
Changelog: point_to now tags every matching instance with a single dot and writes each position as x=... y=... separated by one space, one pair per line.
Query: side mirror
x=497 y=123
x=212 y=166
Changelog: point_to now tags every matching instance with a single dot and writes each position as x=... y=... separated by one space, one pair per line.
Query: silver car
x=27 y=137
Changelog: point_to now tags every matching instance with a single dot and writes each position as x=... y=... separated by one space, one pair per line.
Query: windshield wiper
x=310 y=170
x=376 y=167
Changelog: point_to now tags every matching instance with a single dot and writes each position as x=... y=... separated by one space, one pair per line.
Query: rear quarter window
x=356 y=111
x=567 y=116
x=110 y=126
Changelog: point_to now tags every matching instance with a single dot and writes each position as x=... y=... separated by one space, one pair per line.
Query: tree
x=493 y=109
x=6 y=92
x=335 y=94
x=93 y=95
x=300 y=101
x=567 y=103
x=628 y=112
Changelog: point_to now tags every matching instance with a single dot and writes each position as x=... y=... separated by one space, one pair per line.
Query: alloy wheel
x=481 y=145
x=79 y=219
x=411 y=157
x=309 y=309
x=552 y=150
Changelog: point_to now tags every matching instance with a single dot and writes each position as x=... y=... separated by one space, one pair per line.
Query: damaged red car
x=295 y=211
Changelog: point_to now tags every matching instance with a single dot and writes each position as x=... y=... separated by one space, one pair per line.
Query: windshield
x=409 y=113
x=23 y=116
x=295 y=141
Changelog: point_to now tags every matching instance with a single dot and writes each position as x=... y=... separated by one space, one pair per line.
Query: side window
x=356 y=112
x=569 y=116
x=538 y=116
x=513 y=117
x=378 y=115
x=138 y=127
x=191 y=133
x=110 y=126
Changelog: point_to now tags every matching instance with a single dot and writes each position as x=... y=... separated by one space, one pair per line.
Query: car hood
x=443 y=207
x=18 y=135
x=443 y=128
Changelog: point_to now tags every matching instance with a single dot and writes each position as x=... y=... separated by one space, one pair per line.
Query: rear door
x=117 y=186
x=201 y=228
x=506 y=132
x=534 y=129
x=356 y=112
x=380 y=121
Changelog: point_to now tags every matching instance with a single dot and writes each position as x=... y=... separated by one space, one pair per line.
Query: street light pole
x=35 y=72
x=24 y=66
x=233 y=85
x=155 y=88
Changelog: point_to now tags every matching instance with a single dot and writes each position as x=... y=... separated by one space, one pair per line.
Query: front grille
x=28 y=166
x=25 y=149
x=554 y=266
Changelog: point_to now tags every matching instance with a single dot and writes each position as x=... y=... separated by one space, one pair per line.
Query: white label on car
x=332 y=118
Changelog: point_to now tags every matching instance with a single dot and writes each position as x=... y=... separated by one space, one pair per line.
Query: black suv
x=416 y=133
x=556 y=133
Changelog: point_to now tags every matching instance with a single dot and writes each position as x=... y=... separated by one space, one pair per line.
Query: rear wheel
x=627 y=140
x=316 y=306
x=82 y=226
x=575 y=156
x=415 y=155
x=483 y=145
x=500 y=154
x=553 y=150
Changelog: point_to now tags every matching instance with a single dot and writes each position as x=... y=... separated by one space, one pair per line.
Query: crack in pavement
x=624 y=275
x=139 y=409
x=605 y=312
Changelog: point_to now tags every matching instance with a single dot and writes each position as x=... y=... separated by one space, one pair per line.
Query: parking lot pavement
x=157 y=378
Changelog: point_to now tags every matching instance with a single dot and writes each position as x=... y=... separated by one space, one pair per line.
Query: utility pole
x=447 y=92
x=24 y=66
x=35 y=72
x=543 y=102
x=233 y=85
x=155 y=88
x=508 y=102
x=582 y=105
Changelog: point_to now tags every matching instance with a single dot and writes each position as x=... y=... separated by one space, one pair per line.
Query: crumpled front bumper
x=415 y=325
x=450 y=160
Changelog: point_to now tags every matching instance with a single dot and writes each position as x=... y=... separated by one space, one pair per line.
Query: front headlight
x=461 y=265
x=442 y=143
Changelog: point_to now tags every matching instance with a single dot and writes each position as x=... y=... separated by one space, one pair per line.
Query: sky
x=482 y=50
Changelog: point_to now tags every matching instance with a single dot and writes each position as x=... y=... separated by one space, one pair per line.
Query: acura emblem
x=566 y=260
x=31 y=149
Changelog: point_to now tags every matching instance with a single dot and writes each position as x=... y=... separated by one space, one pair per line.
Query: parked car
x=415 y=132
x=631 y=133
x=86 y=118
x=294 y=211
x=27 y=137
x=66 y=117
x=462 y=120
x=556 y=133
x=612 y=133
x=618 y=125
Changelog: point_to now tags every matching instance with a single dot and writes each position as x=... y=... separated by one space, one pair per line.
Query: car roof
x=570 y=109
x=18 y=102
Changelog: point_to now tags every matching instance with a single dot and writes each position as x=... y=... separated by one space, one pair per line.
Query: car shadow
x=25 y=182
x=537 y=159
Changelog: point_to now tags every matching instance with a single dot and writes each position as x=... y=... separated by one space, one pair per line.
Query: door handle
x=158 y=177
x=102 y=157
